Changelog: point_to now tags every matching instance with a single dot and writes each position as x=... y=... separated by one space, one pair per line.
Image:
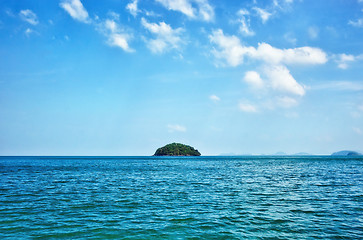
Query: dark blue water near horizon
x=265 y=197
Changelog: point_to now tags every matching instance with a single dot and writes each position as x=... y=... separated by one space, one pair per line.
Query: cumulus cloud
x=214 y=98
x=132 y=7
x=230 y=49
x=203 y=11
x=247 y=107
x=116 y=36
x=29 y=16
x=76 y=10
x=176 y=128
x=281 y=80
x=274 y=76
x=166 y=37
x=253 y=79
x=301 y=55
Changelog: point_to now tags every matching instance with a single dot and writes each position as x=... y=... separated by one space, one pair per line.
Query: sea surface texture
x=181 y=197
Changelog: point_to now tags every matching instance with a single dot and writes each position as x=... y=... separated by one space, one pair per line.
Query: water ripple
x=181 y=198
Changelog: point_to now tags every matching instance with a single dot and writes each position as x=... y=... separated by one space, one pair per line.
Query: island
x=176 y=149
x=346 y=153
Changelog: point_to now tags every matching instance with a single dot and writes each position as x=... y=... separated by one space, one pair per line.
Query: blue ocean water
x=181 y=197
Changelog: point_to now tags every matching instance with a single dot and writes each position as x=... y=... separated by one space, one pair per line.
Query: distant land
x=346 y=153
x=177 y=149
x=302 y=154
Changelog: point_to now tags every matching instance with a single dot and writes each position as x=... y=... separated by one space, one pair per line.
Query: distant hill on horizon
x=346 y=153
x=302 y=154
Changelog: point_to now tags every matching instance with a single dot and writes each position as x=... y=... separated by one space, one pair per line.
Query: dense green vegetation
x=176 y=149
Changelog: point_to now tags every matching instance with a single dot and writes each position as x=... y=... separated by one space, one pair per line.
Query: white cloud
x=76 y=10
x=166 y=37
x=176 y=128
x=245 y=27
x=246 y=107
x=115 y=35
x=281 y=80
x=253 y=79
x=245 y=23
x=132 y=7
x=263 y=14
x=343 y=60
x=29 y=16
x=205 y=11
x=230 y=49
x=276 y=76
x=183 y=6
x=243 y=12
x=301 y=55
x=214 y=98
x=357 y=23
x=113 y=15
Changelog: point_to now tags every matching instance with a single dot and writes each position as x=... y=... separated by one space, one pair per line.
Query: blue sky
x=124 y=77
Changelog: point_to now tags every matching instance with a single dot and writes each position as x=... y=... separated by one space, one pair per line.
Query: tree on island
x=176 y=149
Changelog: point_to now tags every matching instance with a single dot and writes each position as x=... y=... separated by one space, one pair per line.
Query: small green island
x=176 y=149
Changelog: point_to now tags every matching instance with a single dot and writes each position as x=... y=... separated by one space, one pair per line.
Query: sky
x=124 y=77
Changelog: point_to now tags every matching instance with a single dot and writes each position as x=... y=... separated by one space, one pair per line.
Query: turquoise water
x=181 y=198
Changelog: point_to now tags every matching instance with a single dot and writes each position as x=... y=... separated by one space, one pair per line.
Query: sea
x=240 y=197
